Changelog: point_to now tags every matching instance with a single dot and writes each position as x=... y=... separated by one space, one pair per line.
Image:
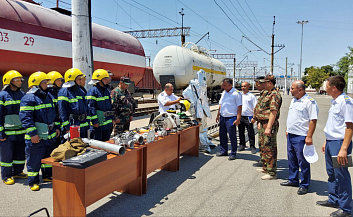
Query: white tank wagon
x=184 y=62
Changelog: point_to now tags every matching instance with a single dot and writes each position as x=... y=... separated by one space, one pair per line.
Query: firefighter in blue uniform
x=37 y=114
x=54 y=85
x=100 y=107
x=12 y=134
x=73 y=107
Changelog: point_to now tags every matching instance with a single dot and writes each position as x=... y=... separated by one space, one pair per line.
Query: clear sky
x=326 y=36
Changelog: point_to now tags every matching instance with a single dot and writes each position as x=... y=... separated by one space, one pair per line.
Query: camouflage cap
x=260 y=79
x=126 y=80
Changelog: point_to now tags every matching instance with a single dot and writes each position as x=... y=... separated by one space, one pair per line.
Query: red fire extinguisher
x=74 y=131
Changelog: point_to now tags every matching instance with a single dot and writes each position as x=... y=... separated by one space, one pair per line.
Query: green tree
x=316 y=77
x=344 y=62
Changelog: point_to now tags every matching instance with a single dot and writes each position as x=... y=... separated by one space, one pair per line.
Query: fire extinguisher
x=74 y=131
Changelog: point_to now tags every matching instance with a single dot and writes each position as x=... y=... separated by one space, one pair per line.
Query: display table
x=162 y=154
x=189 y=141
x=75 y=189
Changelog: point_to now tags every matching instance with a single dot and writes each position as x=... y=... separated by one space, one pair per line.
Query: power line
x=258 y=36
x=264 y=35
x=255 y=18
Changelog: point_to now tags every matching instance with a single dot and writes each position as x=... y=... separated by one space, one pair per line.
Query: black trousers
x=245 y=123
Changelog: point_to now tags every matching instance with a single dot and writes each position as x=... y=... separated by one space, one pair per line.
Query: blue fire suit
x=73 y=109
x=13 y=148
x=37 y=107
x=98 y=98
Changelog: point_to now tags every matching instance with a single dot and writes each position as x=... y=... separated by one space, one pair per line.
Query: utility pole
x=253 y=82
x=82 y=54
x=285 y=78
x=234 y=73
x=291 y=75
x=273 y=43
x=301 y=47
x=182 y=26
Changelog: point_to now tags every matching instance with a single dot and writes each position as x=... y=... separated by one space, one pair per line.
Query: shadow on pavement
x=159 y=186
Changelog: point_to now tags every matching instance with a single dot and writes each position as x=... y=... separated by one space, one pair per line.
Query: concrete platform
x=204 y=186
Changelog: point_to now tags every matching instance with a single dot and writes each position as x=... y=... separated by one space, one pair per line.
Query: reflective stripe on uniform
x=84 y=124
x=65 y=123
x=31 y=129
x=19 y=162
x=55 y=100
x=57 y=123
x=11 y=102
x=97 y=98
x=53 y=135
x=107 y=122
x=1 y=128
x=3 y=164
x=37 y=107
x=94 y=117
x=32 y=173
x=15 y=132
x=27 y=108
x=70 y=100
x=46 y=166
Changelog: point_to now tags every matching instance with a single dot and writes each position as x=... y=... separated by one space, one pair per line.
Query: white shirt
x=341 y=112
x=229 y=103
x=248 y=104
x=301 y=112
x=163 y=98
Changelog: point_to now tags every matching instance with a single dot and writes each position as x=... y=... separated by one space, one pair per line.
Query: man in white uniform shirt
x=338 y=132
x=248 y=104
x=301 y=124
x=167 y=99
x=228 y=116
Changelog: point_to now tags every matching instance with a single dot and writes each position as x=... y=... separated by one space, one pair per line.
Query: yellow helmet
x=6 y=79
x=99 y=74
x=71 y=74
x=185 y=105
x=53 y=75
x=36 y=78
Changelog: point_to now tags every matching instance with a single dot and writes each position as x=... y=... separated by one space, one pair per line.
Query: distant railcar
x=34 y=38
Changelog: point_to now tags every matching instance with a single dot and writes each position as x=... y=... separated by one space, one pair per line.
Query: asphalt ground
x=204 y=186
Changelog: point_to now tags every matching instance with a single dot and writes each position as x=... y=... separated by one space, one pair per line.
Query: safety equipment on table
x=166 y=121
x=71 y=74
x=113 y=148
x=74 y=131
x=69 y=149
x=36 y=78
x=185 y=105
x=88 y=158
x=12 y=122
x=53 y=75
x=6 y=79
x=129 y=139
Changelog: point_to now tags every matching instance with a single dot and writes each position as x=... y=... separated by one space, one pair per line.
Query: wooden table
x=75 y=189
x=161 y=154
x=189 y=141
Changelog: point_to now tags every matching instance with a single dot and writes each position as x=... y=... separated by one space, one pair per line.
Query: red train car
x=148 y=81
x=34 y=38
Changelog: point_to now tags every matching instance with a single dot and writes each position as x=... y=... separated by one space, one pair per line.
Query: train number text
x=29 y=41
x=4 y=37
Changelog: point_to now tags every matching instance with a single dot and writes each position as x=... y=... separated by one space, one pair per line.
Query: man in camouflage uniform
x=267 y=114
x=260 y=85
x=122 y=106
